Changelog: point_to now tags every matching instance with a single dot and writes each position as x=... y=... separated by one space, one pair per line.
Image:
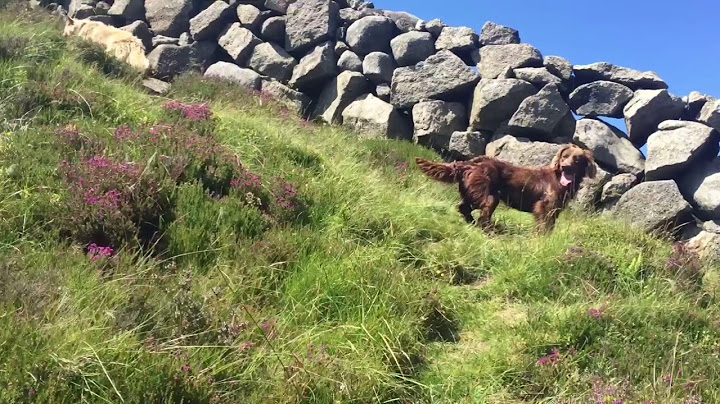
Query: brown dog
x=485 y=182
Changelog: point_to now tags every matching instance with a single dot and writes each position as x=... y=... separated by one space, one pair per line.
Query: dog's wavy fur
x=119 y=44
x=484 y=182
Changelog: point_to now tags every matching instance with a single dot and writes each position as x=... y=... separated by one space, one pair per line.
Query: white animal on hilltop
x=120 y=44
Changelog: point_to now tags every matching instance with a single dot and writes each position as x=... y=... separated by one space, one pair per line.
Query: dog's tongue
x=565 y=180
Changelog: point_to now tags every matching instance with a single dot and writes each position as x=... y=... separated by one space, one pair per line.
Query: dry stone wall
x=464 y=93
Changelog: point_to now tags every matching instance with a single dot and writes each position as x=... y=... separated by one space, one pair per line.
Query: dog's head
x=71 y=25
x=572 y=164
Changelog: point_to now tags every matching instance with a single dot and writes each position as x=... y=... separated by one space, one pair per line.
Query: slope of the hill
x=160 y=251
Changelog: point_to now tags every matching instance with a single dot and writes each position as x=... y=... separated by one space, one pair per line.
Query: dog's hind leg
x=465 y=208
x=488 y=208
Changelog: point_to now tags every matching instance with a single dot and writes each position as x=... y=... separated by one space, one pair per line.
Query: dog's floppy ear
x=591 y=169
x=556 y=160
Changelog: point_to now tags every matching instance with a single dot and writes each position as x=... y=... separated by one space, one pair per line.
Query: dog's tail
x=443 y=172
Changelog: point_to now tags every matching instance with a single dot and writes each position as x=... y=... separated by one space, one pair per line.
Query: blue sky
x=679 y=40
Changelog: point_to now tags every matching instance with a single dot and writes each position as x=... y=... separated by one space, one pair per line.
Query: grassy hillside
x=212 y=247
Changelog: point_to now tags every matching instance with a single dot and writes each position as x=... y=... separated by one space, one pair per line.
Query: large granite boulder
x=245 y=78
x=412 y=47
x=168 y=17
x=338 y=94
x=141 y=31
x=494 y=59
x=458 y=40
x=653 y=205
x=496 y=34
x=614 y=189
x=130 y=10
x=271 y=60
x=538 y=76
x=560 y=67
x=371 y=34
x=465 y=145
x=538 y=115
x=646 y=110
x=209 y=22
x=441 y=76
x=309 y=23
x=634 y=79
x=702 y=186
x=600 y=98
x=273 y=29
x=317 y=67
x=286 y=96
x=378 y=67
x=609 y=145
x=238 y=42
x=435 y=121
x=495 y=101
x=522 y=151
x=373 y=117
x=676 y=146
x=350 y=61
x=710 y=114
x=249 y=16
x=588 y=195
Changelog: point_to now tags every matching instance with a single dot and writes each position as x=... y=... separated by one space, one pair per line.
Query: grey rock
x=646 y=110
x=315 y=68
x=435 y=27
x=245 y=78
x=168 y=17
x=185 y=39
x=610 y=146
x=249 y=16
x=340 y=48
x=435 y=121
x=157 y=87
x=102 y=8
x=440 y=76
x=496 y=34
x=164 y=40
x=600 y=98
x=702 y=186
x=131 y=10
x=694 y=104
x=588 y=195
x=495 y=101
x=457 y=39
x=273 y=29
x=653 y=205
x=707 y=246
x=412 y=47
x=406 y=22
x=280 y=6
x=338 y=94
x=565 y=129
x=676 y=146
x=141 y=31
x=634 y=79
x=202 y=54
x=466 y=145
x=522 y=151
x=383 y=91
x=81 y=8
x=373 y=117
x=538 y=76
x=710 y=114
x=349 y=15
x=271 y=60
x=494 y=59
x=538 y=115
x=371 y=34
x=350 y=61
x=238 y=42
x=286 y=96
x=168 y=61
x=559 y=67
x=617 y=187
x=209 y=22
x=310 y=22
x=378 y=67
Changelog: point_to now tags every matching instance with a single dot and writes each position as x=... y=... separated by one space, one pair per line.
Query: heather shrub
x=113 y=202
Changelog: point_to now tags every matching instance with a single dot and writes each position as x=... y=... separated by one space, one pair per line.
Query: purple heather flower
x=96 y=252
x=186 y=368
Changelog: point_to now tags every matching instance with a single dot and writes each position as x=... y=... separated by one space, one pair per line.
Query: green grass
x=375 y=291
